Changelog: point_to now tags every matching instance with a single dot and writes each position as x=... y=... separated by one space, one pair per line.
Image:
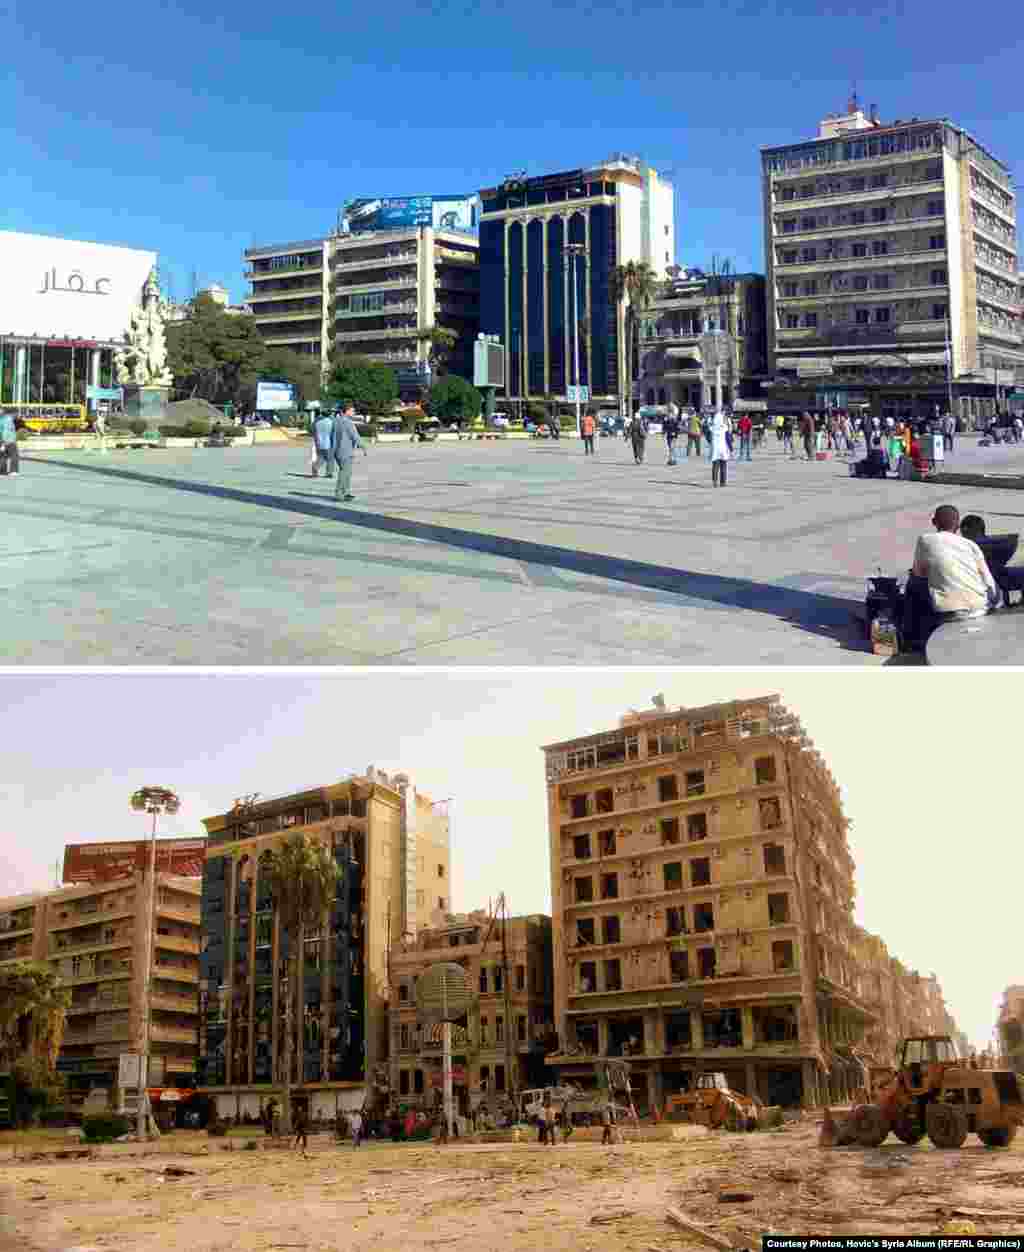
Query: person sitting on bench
x=1002 y=553
x=950 y=580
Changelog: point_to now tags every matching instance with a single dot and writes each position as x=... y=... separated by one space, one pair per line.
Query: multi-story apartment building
x=391 y=846
x=368 y=289
x=618 y=211
x=95 y=936
x=1010 y=1028
x=881 y=241
x=501 y=1048
x=702 y=896
x=686 y=306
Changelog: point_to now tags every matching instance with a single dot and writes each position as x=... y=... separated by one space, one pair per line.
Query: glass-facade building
x=527 y=275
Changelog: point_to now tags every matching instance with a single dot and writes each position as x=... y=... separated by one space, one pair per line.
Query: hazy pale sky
x=928 y=763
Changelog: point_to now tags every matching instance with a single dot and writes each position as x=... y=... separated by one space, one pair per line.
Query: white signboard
x=129 y=1069
x=272 y=396
x=573 y=393
x=64 y=289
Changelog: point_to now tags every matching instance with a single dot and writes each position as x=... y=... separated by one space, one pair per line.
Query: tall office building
x=702 y=911
x=880 y=240
x=94 y=934
x=391 y=846
x=618 y=211
x=391 y=269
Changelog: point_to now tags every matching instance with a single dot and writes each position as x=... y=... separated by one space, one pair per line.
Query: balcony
x=868 y=195
x=991 y=231
x=300 y=293
x=312 y=336
x=886 y=294
x=994 y=204
x=176 y=943
x=846 y=230
x=905 y=256
x=1000 y=300
x=174 y=1004
x=174 y=1034
x=123 y=940
x=406 y=306
x=305 y=315
x=387 y=284
x=402 y=333
x=92 y=917
x=381 y=262
x=175 y=973
x=175 y=914
x=255 y=275
x=1004 y=333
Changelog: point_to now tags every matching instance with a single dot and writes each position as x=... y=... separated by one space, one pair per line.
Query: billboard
x=271 y=395
x=459 y=213
x=65 y=289
x=488 y=364
x=103 y=862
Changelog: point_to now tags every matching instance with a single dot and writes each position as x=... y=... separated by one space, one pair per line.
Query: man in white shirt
x=959 y=580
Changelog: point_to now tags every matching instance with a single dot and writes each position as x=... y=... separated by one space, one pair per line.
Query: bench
x=997 y=639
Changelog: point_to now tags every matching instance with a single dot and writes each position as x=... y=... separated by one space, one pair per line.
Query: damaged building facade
x=501 y=1047
x=1010 y=1028
x=391 y=848
x=702 y=900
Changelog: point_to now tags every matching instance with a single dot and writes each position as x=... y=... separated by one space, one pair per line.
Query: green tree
x=370 y=387
x=213 y=354
x=304 y=879
x=453 y=399
x=441 y=343
x=300 y=369
x=633 y=285
x=33 y=1007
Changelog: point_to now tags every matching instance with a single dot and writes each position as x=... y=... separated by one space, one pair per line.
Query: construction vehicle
x=937 y=1094
x=713 y=1103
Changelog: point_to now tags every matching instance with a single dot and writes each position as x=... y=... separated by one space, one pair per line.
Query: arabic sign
x=272 y=395
x=69 y=290
x=103 y=862
x=441 y=212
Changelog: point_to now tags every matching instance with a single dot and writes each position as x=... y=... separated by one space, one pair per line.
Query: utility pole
x=573 y=252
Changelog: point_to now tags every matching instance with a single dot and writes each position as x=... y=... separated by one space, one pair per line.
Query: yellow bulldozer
x=935 y=1093
x=713 y=1103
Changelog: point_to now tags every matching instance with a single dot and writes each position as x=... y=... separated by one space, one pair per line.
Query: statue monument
x=142 y=362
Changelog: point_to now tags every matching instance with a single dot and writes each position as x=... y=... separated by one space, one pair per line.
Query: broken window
x=584 y=932
x=695 y=782
x=723 y=1029
x=697 y=827
x=581 y=847
x=700 y=871
x=677 y=1031
x=417 y=1083
x=670 y=830
x=403 y=991
x=703 y=917
x=606 y=842
x=581 y=759
x=771 y=813
x=611 y=931
x=588 y=976
x=485 y=1077
x=403 y=1037
x=778 y=909
x=705 y=962
x=403 y=1082
x=668 y=788
x=604 y=800
x=584 y=890
x=782 y=955
x=673 y=874
x=764 y=770
x=612 y=751
x=520 y=978
x=483 y=981
x=499 y=978
x=774 y=858
x=612 y=975
x=520 y=1027
x=499 y=1030
x=609 y=886
x=586 y=1036
x=775 y=1025
x=675 y=922
x=499 y=1078
x=578 y=806
x=679 y=966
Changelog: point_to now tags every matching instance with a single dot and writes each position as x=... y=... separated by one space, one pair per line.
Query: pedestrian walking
x=587 y=429
x=948 y=427
x=344 y=441
x=719 y=450
x=549 y=1118
x=746 y=429
x=567 y=1126
x=787 y=437
x=807 y=434
x=323 y=441
x=638 y=437
x=693 y=433
x=8 y=445
x=671 y=429
x=355 y=1125
x=299 y=1127
x=607 y=1121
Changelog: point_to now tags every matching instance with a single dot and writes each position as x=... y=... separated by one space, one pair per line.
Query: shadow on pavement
x=812 y=611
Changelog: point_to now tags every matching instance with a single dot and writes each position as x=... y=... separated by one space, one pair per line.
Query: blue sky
x=920 y=783
x=198 y=132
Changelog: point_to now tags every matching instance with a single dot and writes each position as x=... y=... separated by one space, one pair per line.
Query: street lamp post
x=576 y=250
x=155 y=801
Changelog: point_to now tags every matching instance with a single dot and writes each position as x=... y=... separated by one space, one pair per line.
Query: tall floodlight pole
x=574 y=251
x=949 y=368
x=155 y=801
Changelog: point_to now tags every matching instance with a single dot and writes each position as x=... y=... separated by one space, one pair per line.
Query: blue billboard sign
x=459 y=213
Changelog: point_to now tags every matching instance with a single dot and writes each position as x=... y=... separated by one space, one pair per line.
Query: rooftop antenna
x=853 y=97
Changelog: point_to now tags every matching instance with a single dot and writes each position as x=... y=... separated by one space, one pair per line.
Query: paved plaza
x=470 y=553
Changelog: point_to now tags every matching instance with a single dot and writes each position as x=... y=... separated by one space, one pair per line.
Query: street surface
x=516 y=1198
x=471 y=553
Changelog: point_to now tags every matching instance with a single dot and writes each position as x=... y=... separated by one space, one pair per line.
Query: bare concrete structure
x=391 y=846
x=1010 y=1027
x=95 y=937
x=481 y=1049
x=881 y=239
x=702 y=898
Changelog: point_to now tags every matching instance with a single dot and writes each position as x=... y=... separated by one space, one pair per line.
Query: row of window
x=828 y=153
x=860 y=182
x=694 y=784
x=804 y=256
x=937 y=277
x=411 y=1082
x=670 y=830
x=880 y=316
x=604 y=976
x=854 y=217
x=701 y=915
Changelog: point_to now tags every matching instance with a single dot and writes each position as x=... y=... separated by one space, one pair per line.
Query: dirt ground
x=512 y=1197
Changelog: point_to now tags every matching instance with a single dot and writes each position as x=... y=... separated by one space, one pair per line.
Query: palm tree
x=303 y=880
x=634 y=285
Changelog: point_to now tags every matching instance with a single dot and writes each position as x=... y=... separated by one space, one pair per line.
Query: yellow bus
x=49 y=419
